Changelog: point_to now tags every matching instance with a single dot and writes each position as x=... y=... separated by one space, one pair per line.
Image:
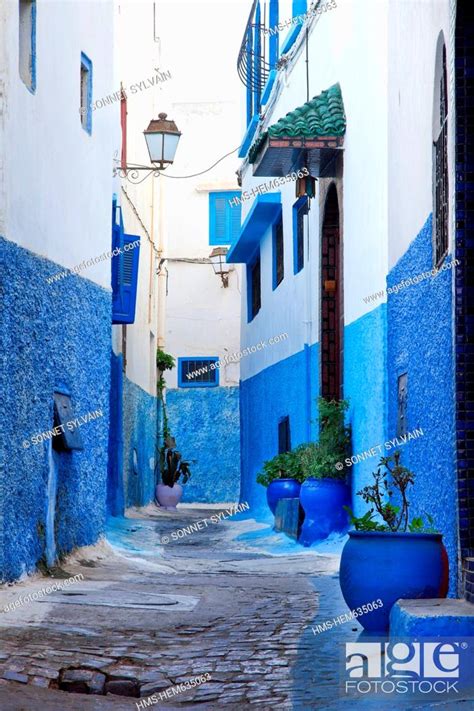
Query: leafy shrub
x=318 y=459
x=174 y=466
x=314 y=459
x=394 y=477
x=282 y=466
x=164 y=361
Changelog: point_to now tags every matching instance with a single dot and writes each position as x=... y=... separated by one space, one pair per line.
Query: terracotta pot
x=168 y=497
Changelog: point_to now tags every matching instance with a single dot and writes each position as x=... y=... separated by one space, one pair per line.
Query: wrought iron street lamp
x=220 y=265
x=162 y=138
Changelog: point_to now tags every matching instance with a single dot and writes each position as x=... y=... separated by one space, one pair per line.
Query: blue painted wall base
x=51 y=335
x=420 y=343
x=205 y=424
x=140 y=431
x=288 y=388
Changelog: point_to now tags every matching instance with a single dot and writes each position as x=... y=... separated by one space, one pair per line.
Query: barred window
x=254 y=288
x=278 y=256
x=300 y=209
x=198 y=372
x=441 y=192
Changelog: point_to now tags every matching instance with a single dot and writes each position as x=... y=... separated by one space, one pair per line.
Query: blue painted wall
x=279 y=390
x=365 y=388
x=420 y=342
x=205 y=424
x=139 y=434
x=115 y=484
x=50 y=335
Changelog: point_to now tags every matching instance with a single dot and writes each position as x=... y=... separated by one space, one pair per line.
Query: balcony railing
x=258 y=53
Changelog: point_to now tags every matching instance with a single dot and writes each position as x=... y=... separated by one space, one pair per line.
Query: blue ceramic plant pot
x=282 y=489
x=323 y=501
x=386 y=566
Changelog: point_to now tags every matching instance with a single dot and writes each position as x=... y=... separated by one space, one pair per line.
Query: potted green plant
x=324 y=491
x=388 y=556
x=282 y=477
x=169 y=492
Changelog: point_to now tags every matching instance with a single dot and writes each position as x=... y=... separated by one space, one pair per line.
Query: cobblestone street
x=147 y=617
x=249 y=615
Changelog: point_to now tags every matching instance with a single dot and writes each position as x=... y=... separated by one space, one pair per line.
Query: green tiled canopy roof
x=322 y=116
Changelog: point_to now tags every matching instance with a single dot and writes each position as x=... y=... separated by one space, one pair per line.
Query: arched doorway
x=464 y=278
x=331 y=308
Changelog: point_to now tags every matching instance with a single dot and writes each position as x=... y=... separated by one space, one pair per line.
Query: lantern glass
x=218 y=260
x=162 y=138
x=162 y=146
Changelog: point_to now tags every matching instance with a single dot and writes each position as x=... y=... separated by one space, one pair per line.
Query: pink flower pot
x=168 y=496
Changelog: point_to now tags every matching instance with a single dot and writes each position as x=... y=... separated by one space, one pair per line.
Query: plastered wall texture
x=205 y=423
x=50 y=335
x=115 y=488
x=139 y=429
x=420 y=343
x=278 y=391
x=365 y=388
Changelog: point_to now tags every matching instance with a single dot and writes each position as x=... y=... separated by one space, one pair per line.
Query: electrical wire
x=194 y=175
x=140 y=220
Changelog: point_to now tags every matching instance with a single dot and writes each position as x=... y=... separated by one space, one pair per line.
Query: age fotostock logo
x=403 y=667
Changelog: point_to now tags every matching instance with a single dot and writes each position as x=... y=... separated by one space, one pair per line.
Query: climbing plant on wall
x=164 y=361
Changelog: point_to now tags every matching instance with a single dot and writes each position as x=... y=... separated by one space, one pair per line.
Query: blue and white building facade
x=372 y=117
x=56 y=193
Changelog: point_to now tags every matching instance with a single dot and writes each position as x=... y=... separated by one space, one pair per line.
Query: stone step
x=432 y=618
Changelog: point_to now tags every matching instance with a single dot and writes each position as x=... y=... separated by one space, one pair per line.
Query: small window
x=224 y=217
x=86 y=93
x=441 y=192
x=27 y=43
x=402 y=405
x=300 y=209
x=253 y=288
x=284 y=438
x=278 y=253
x=198 y=372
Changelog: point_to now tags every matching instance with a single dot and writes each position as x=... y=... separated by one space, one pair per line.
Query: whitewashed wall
x=348 y=45
x=202 y=317
x=411 y=117
x=57 y=193
x=137 y=56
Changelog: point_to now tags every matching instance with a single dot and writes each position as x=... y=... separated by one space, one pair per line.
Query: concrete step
x=432 y=618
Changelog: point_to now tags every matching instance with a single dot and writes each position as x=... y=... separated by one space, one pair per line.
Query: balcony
x=257 y=60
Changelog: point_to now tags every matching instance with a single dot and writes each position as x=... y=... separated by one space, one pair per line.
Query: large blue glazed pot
x=282 y=489
x=386 y=566
x=323 y=501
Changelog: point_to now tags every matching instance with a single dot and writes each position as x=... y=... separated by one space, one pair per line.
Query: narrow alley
x=236 y=355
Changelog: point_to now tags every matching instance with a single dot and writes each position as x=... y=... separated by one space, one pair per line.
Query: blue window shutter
x=124 y=274
x=224 y=217
x=220 y=224
x=235 y=217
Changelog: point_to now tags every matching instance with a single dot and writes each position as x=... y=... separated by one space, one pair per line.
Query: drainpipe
x=152 y=260
x=162 y=276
